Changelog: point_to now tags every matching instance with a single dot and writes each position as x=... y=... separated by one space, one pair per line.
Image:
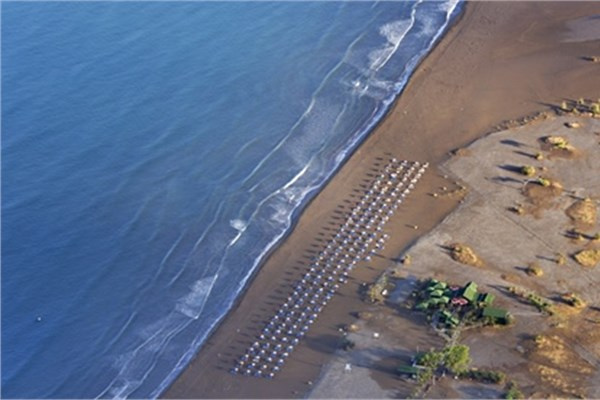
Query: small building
x=496 y=314
x=449 y=318
x=469 y=292
x=487 y=299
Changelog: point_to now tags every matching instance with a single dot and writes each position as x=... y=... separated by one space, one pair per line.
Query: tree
x=457 y=358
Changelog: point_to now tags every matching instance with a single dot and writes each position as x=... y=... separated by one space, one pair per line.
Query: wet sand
x=501 y=61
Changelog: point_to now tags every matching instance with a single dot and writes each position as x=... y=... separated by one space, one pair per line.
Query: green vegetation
x=582 y=106
x=484 y=376
x=532 y=298
x=558 y=142
x=513 y=392
x=376 y=291
x=528 y=170
x=543 y=181
x=539 y=303
x=453 y=359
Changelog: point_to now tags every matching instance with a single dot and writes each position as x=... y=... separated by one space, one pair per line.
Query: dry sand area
x=511 y=221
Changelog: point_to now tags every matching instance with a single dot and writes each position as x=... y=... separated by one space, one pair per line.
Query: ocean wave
x=193 y=303
x=312 y=150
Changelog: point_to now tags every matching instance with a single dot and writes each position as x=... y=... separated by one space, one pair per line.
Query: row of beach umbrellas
x=359 y=236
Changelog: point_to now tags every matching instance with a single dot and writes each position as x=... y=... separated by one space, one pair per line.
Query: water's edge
x=355 y=142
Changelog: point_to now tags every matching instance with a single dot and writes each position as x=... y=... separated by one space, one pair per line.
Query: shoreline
x=465 y=46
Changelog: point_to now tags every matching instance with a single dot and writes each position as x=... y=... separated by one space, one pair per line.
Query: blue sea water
x=154 y=152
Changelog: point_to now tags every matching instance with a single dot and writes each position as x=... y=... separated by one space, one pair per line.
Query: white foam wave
x=282 y=203
x=238 y=224
x=394 y=32
x=193 y=303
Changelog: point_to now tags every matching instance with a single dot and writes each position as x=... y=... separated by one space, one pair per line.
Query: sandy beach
x=501 y=61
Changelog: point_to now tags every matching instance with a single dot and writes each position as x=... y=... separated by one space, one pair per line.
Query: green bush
x=457 y=358
x=528 y=170
x=485 y=376
x=513 y=392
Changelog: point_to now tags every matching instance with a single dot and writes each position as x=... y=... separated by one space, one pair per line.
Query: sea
x=153 y=153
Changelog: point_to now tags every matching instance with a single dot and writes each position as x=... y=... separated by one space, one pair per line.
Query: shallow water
x=153 y=153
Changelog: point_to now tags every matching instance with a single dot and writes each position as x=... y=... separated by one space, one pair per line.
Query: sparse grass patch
x=465 y=255
x=587 y=258
x=558 y=142
x=583 y=211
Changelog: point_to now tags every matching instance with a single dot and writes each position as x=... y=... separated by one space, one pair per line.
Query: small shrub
x=543 y=181
x=457 y=358
x=539 y=303
x=465 y=255
x=517 y=210
x=559 y=142
x=588 y=258
x=485 y=376
x=513 y=392
x=573 y=300
x=539 y=156
x=528 y=170
x=534 y=269
x=561 y=259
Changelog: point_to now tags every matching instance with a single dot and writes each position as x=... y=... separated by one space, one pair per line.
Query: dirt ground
x=511 y=221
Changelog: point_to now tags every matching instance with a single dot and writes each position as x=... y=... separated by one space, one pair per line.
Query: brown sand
x=501 y=61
